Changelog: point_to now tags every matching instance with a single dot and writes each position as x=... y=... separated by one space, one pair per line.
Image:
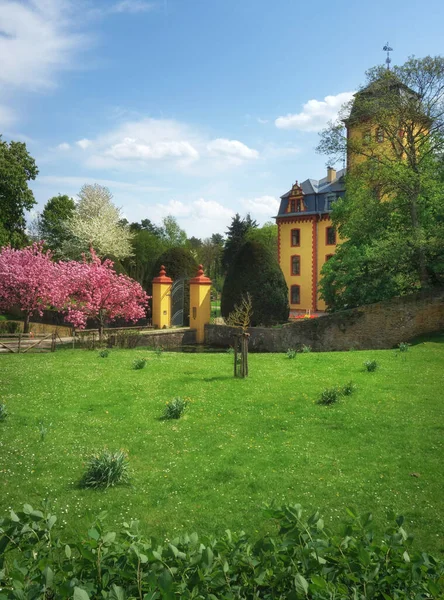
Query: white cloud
x=201 y=210
x=136 y=149
x=132 y=6
x=64 y=146
x=35 y=42
x=315 y=113
x=84 y=143
x=233 y=150
x=262 y=207
x=75 y=183
x=7 y=116
x=262 y=121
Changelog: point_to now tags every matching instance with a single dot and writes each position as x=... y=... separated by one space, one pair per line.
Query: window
x=299 y=205
x=292 y=206
x=295 y=237
x=295 y=205
x=329 y=199
x=367 y=136
x=379 y=135
x=330 y=236
x=296 y=265
x=295 y=294
x=328 y=256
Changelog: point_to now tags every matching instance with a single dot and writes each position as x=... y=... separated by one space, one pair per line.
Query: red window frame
x=291 y=264
x=299 y=294
x=291 y=238
x=327 y=243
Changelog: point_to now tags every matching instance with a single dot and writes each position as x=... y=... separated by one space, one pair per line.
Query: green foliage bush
x=304 y=559
x=370 y=365
x=175 y=408
x=306 y=349
x=3 y=412
x=9 y=327
x=329 y=396
x=256 y=271
x=348 y=389
x=106 y=470
x=291 y=353
x=403 y=347
x=139 y=363
x=104 y=353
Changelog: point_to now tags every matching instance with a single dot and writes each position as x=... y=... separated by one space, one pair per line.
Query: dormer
x=296 y=200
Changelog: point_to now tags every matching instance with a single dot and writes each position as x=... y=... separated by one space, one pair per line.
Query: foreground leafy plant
x=291 y=353
x=175 y=408
x=347 y=389
x=303 y=559
x=329 y=396
x=104 y=353
x=371 y=365
x=139 y=363
x=106 y=470
x=306 y=349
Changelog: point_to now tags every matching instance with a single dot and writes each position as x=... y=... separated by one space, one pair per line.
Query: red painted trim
x=324 y=217
x=314 y=269
x=291 y=295
x=291 y=237
x=327 y=243
x=291 y=265
x=279 y=244
x=301 y=219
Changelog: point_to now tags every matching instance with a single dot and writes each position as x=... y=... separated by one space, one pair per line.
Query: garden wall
x=376 y=326
x=168 y=338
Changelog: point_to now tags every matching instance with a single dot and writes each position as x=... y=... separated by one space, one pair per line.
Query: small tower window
x=296 y=265
x=330 y=236
x=295 y=237
x=329 y=199
x=295 y=294
x=379 y=135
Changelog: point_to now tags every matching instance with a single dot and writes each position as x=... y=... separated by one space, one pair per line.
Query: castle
x=306 y=236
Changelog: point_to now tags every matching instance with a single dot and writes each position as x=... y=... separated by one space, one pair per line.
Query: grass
x=241 y=442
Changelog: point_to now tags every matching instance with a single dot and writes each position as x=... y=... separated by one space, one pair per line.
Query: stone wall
x=376 y=326
x=167 y=338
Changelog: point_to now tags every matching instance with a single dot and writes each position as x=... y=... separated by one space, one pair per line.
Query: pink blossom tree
x=94 y=290
x=29 y=279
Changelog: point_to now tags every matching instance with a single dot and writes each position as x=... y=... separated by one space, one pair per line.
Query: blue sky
x=196 y=108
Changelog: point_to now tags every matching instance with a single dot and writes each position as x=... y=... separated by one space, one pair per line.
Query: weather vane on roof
x=388 y=60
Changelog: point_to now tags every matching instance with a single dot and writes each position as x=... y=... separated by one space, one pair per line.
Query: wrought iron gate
x=177 y=302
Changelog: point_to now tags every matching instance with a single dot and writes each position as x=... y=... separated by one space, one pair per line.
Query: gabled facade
x=306 y=237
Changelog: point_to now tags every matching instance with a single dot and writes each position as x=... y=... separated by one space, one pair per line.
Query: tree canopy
x=96 y=223
x=52 y=221
x=17 y=168
x=392 y=215
x=236 y=236
x=255 y=271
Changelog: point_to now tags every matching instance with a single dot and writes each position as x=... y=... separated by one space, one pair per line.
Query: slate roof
x=315 y=194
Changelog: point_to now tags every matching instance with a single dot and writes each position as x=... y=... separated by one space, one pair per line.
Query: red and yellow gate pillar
x=162 y=300
x=200 y=304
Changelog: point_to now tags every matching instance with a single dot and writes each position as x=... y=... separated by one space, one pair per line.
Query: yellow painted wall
x=304 y=280
x=161 y=305
x=323 y=251
x=200 y=308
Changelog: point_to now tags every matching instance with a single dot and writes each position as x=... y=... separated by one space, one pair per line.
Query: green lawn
x=242 y=442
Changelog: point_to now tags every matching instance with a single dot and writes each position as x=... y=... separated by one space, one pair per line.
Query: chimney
x=331 y=174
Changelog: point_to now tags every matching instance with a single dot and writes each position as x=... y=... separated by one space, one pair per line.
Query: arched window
x=295 y=294
x=295 y=237
x=295 y=267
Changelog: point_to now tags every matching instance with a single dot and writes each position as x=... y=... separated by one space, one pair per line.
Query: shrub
x=291 y=353
x=347 y=389
x=175 y=408
x=370 y=365
x=139 y=363
x=306 y=349
x=106 y=469
x=304 y=558
x=10 y=327
x=104 y=353
x=256 y=271
x=403 y=346
x=3 y=412
x=329 y=396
